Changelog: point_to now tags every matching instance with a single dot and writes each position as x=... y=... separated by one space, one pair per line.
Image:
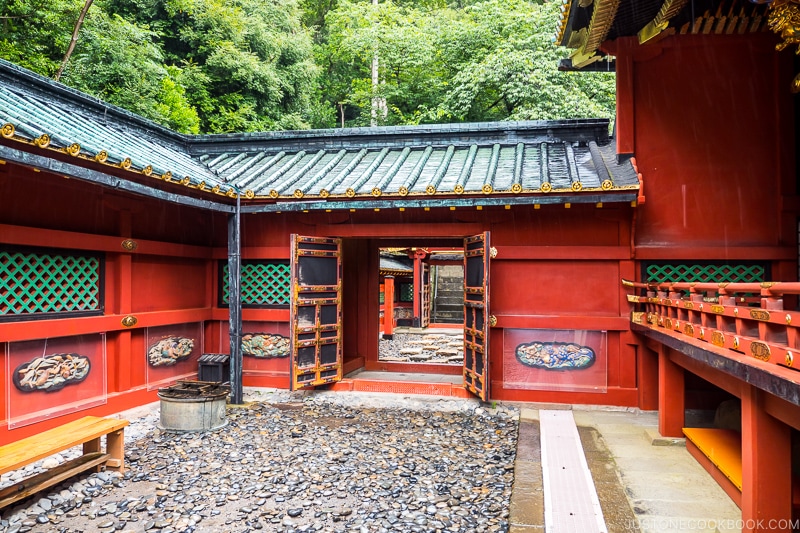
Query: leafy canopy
x=250 y=65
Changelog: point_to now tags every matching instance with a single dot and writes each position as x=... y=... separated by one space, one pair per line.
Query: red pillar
x=671 y=396
x=418 y=256
x=766 y=474
x=388 y=307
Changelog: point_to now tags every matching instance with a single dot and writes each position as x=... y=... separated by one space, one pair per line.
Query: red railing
x=748 y=318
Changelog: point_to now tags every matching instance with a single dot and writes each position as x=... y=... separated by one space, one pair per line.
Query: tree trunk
x=74 y=39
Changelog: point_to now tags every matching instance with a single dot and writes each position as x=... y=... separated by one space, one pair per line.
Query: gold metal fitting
x=43 y=141
x=130 y=321
x=129 y=245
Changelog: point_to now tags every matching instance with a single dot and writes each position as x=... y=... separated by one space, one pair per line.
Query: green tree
x=36 y=33
x=488 y=60
x=119 y=62
x=248 y=63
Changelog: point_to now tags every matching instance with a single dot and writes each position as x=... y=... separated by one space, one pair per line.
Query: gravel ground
x=305 y=461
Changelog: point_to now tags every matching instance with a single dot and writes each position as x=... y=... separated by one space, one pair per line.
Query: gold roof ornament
x=783 y=18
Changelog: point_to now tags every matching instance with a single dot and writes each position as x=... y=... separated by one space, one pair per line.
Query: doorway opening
x=335 y=312
x=421 y=307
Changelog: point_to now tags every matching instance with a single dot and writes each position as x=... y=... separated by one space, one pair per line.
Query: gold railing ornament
x=129 y=321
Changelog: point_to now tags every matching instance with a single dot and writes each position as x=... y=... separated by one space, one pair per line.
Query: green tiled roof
x=565 y=161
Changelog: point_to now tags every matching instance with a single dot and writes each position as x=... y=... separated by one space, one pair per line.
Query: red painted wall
x=713 y=142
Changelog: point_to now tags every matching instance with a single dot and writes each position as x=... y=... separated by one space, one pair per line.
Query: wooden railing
x=748 y=318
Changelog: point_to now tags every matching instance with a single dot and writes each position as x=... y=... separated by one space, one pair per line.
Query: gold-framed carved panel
x=54 y=377
x=172 y=353
x=555 y=360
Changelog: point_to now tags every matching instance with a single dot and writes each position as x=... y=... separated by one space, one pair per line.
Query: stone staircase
x=448 y=304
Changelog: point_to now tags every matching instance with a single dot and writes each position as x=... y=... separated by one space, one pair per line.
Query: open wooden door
x=476 y=314
x=316 y=311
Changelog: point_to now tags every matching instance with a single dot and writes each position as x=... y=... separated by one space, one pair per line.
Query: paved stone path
x=442 y=348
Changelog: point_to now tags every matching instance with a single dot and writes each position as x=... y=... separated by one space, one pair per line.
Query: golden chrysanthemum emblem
x=43 y=141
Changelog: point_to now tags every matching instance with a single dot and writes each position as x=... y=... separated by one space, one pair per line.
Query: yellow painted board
x=723 y=447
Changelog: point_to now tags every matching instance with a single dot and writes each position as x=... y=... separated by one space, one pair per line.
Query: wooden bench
x=720 y=453
x=86 y=431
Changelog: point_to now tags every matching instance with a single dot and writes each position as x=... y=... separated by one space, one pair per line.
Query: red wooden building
x=707 y=105
x=124 y=247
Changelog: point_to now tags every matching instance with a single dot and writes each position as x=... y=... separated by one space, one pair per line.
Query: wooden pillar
x=418 y=256
x=671 y=396
x=122 y=366
x=766 y=467
x=235 y=301
x=388 y=307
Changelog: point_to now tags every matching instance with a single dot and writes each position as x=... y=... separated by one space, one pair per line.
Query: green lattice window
x=41 y=284
x=406 y=292
x=264 y=283
x=716 y=273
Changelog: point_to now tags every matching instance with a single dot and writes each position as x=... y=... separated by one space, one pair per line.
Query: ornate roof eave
x=669 y=9
x=110 y=158
x=589 y=40
x=629 y=195
x=105 y=175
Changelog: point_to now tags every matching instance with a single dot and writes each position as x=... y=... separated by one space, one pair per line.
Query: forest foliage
x=219 y=66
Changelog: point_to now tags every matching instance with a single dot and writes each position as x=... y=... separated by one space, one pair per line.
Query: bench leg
x=115 y=447
x=91 y=447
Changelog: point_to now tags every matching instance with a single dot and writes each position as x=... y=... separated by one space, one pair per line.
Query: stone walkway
x=440 y=347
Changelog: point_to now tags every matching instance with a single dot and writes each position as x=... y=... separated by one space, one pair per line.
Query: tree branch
x=74 y=39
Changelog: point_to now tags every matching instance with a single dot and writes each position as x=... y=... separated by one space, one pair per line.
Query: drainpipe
x=235 y=300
